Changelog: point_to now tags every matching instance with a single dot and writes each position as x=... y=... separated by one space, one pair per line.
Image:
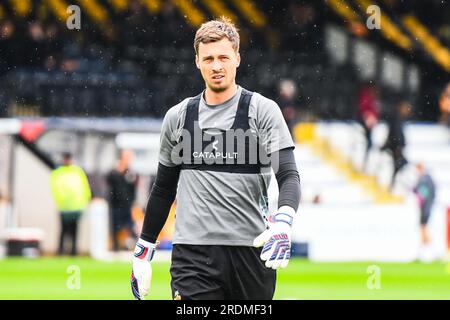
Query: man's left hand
x=276 y=240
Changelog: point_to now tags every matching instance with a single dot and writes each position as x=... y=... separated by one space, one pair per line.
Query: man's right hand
x=141 y=274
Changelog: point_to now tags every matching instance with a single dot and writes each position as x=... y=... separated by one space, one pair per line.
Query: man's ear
x=238 y=57
x=196 y=62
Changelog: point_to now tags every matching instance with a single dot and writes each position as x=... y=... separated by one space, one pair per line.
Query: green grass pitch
x=48 y=278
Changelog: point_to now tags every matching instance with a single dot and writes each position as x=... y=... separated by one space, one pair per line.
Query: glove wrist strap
x=145 y=250
x=285 y=214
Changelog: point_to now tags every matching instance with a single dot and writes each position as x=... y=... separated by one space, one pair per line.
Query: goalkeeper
x=216 y=154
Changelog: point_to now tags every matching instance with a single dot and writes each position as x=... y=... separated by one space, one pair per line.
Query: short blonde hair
x=216 y=30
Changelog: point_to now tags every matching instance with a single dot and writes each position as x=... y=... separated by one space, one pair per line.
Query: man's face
x=126 y=157
x=218 y=62
x=405 y=109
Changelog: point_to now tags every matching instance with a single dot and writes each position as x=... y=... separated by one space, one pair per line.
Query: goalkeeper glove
x=276 y=240
x=141 y=274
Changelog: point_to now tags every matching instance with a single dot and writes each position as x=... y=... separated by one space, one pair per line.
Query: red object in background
x=31 y=130
x=368 y=103
x=448 y=227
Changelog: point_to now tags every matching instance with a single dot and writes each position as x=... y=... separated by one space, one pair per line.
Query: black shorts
x=203 y=272
x=425 y=212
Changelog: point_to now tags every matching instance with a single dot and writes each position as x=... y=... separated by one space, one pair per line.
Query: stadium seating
x=352 y=214
x=321 y=179
x=426 y=143
x=430 y=43
x=155 y=38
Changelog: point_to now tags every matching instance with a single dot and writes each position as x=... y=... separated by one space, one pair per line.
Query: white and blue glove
x=276 y=240
x=141 y=274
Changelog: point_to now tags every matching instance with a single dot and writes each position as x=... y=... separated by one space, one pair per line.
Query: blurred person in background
x=136 y=27
x=122 y=192
x=53 y=46
x=395 y=142
x=71 y=58
x=8 y=46
x=300 y=25
x=368 y=112
x=72 y=193
x=425 y=191
x=444 y=105
x=287 y=103
x=35 y=53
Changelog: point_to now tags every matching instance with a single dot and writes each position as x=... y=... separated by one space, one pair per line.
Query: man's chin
x=217 y=89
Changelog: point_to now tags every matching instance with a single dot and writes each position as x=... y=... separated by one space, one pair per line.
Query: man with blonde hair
x=216 y=154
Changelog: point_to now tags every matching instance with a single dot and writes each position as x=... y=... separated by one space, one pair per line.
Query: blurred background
x=364 y=87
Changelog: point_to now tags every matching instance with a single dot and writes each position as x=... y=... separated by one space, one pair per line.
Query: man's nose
x=217 y=66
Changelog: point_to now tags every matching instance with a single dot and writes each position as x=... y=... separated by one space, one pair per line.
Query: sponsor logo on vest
x=216 y=154
x=233 y=146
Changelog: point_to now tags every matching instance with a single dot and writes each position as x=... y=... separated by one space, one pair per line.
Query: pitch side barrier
x=36 y=147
